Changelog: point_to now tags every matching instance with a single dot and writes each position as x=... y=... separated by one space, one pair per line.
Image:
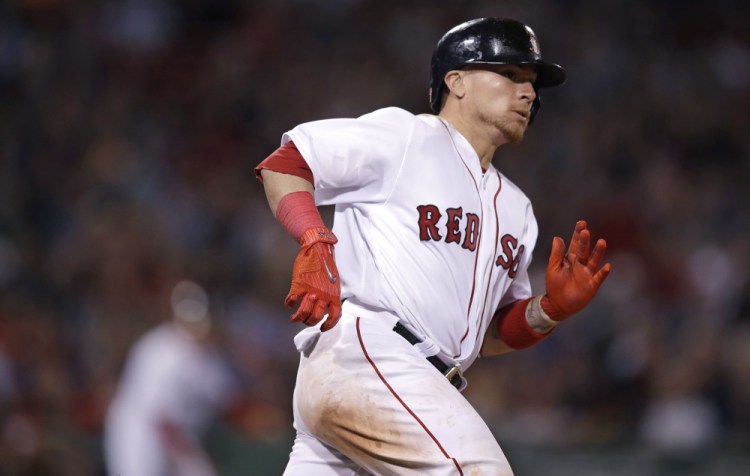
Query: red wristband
x=297 y=212
x=512 y=327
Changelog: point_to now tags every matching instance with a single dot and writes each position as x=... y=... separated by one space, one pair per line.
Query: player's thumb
x=292 y=298
x=557 y=254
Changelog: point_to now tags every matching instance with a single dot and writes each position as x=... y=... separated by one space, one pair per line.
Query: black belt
x=453 y=374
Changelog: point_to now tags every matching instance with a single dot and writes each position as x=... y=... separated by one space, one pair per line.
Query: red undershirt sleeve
x=286 y=160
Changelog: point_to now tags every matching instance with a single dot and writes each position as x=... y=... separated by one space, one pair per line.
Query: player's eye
x=516 y=76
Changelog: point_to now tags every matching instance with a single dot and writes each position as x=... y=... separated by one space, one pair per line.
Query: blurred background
x=128 y=134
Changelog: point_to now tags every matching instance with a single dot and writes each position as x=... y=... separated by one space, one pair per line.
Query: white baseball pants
x=367 y=402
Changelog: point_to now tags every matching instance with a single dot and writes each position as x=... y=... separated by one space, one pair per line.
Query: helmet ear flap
x=534 y=108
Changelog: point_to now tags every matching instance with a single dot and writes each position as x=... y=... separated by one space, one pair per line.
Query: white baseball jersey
x=423 y=231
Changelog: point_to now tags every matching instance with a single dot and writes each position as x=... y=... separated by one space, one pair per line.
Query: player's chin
x=514 y=131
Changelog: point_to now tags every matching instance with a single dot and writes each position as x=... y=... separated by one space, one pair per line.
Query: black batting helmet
x=490 y=41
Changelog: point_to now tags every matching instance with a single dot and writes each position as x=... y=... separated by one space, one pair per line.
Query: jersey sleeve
x=354 y=160
x=520 y=288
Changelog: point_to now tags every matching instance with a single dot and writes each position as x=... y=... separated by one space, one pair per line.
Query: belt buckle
x=452 y=372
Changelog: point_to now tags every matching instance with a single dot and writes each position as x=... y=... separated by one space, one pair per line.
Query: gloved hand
x=315 y=280
x=573 y=278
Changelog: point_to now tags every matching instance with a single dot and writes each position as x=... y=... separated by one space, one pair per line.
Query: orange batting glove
x=573 y=278
x=315 y=279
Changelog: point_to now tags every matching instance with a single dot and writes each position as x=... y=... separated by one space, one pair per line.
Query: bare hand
x=573 y=278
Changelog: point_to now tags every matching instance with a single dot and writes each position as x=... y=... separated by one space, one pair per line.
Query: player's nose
x=527 y=92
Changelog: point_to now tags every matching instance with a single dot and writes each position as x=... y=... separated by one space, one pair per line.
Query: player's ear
x=454 y=82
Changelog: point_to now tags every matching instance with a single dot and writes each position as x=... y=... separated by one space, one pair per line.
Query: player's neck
x=484 y=142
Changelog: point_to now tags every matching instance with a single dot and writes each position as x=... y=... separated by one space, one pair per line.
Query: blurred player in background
x=433 y=244
x=175 y=382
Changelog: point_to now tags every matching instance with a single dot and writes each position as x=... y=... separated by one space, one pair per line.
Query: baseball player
x=426 y=267
x=175 y=383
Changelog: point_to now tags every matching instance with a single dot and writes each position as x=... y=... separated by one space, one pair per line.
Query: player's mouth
x=523 y=113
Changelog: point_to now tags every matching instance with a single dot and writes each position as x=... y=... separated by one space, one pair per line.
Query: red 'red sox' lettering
x=454 y=221
x=510 y=258
x=428 y=218
x=465 y=234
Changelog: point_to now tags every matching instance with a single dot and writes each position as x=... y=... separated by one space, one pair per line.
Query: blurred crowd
x=128 y=134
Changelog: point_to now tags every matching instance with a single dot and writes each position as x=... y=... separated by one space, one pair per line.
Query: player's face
x=500 y=96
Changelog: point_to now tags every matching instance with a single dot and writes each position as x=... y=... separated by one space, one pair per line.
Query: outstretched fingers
x=584 y=246
x=557 y=254
x=593 y=265
x=580 y=243
x=600 y=276
x=597 y=255
x=573 y=246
